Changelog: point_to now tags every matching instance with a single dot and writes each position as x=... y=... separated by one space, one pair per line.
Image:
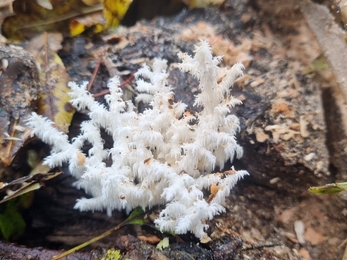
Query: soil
x=285 y=131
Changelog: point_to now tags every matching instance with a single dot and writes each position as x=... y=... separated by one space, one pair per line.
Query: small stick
x=136 y=217
x=96 y=69
x=260 y=247
x=107 y=91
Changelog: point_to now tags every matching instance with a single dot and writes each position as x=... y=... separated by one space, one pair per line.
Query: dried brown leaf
x=24 y=185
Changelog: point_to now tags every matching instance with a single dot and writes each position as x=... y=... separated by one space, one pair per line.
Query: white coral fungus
x=164 y=155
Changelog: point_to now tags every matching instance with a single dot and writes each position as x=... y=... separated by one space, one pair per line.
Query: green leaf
x=136 y=212
x=164 y=243
x=330 y=188
x=317 y=65
x=12 y=224
x=136 y=217
x=342 y=185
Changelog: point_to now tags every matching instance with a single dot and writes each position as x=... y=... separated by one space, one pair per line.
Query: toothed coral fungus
x=162 y=156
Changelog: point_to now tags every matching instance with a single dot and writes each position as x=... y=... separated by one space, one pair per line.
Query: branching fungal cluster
x=163 y=156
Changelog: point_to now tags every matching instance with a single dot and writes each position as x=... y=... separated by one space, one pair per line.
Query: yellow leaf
x=53 y=99
x=114 y=11
x=98 y=28
x=94 y=21
x=76 y=28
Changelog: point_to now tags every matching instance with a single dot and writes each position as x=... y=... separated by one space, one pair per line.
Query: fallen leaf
x=93 y=21
x=24 y=185
x=329 y=188
x=164 y=243
x=12 y=224
x=305 y=254
x=53 y=101
x=287 y=215
x=150 y=239
x=35 y=17
x=114 y=11
x=313 y=237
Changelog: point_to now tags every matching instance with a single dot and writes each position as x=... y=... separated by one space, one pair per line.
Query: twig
x=136 y=217
x=260 y=247
x=96 y=69
x=107 y=91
